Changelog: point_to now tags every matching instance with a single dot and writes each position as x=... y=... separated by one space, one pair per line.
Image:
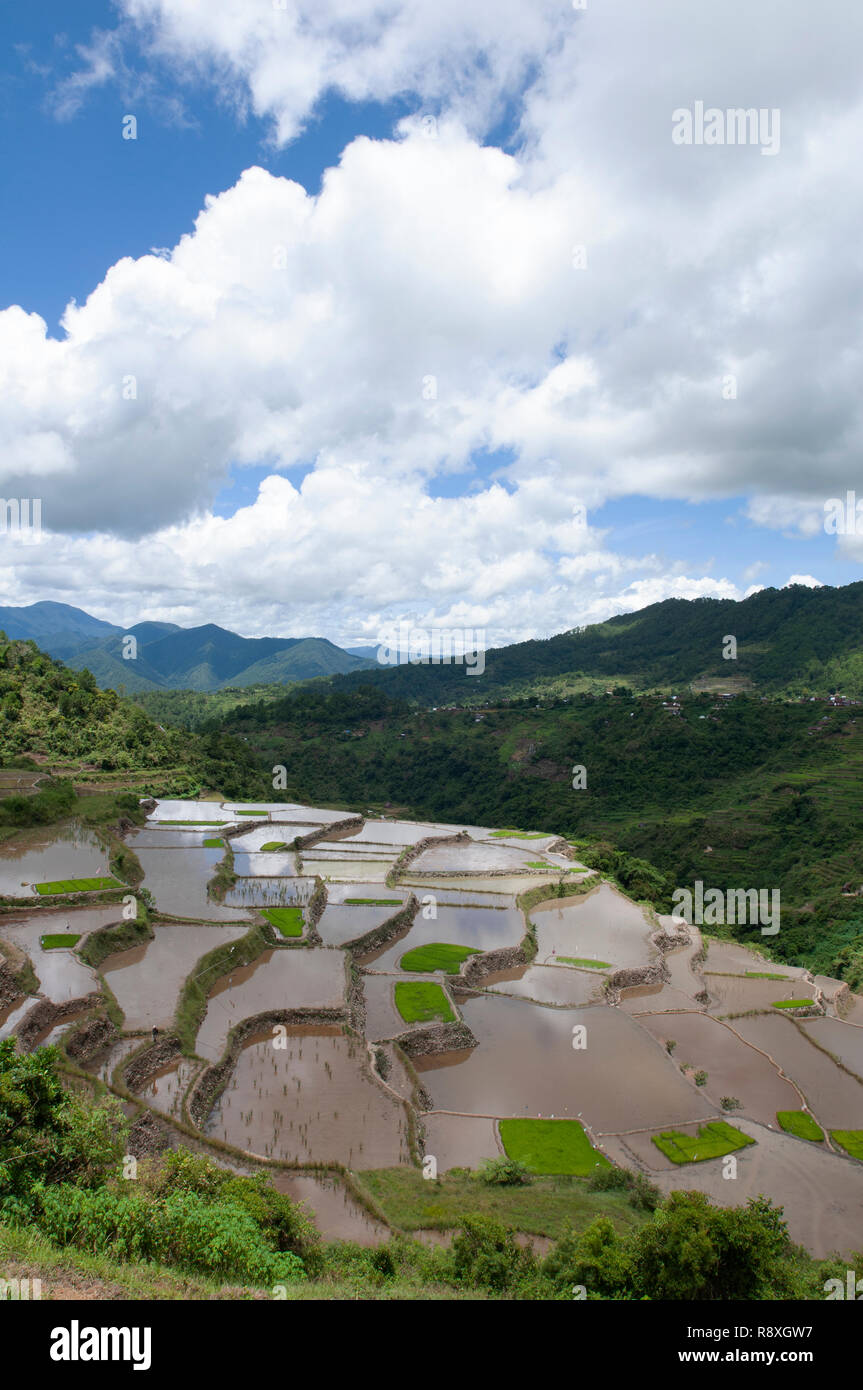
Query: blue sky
x=398 y=269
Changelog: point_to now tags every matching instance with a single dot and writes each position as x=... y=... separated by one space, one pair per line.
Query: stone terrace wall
x=46 y=1014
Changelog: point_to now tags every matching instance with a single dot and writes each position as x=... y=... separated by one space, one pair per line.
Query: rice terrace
x=497 y=1039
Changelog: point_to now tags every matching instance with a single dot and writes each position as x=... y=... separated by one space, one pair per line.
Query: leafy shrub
x=504 y=1172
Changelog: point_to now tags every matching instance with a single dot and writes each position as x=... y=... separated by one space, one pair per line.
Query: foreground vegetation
x=72 y=1210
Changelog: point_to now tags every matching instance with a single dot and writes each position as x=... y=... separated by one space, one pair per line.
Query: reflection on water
x=279 y=979
x=525 y=1064
x=39 y=856
x=311 y=1100
x=147 y=980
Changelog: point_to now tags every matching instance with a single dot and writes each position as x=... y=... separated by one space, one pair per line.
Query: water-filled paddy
x=279 y=979
x=737 y=994
x=37 y=856
x=337 y=1214
x=728 y=956
x=338 y=925
x=178 y=880
x=548 y=984
x=274 y=864
x=61 y=974
x=474 y=857
x=358 y=869
x=147 y=980
x=601 y=925
x=525 y=1064
x=822 y=1195
x=173 y=810
x=834 y=1097
x=844 y=1040
x=457 y=883
x=313 y=1100
x=268 y=892
x=460 y=1141
x=483 y=929
x=165 y=1090
x=733 y=1068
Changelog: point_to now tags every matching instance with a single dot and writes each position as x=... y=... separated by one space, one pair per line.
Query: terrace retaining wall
x=475 y=968
x=439 y=1037
x=144 y=1064
x=93 y=1037
x=387 y=931
x=337 y=827
x=46 y=1014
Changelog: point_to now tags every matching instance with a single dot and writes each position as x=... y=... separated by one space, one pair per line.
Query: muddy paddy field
x=381 y=997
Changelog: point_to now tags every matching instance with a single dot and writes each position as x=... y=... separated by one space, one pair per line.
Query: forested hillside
x=796 y=640
x=745 y=792
x=57 y=719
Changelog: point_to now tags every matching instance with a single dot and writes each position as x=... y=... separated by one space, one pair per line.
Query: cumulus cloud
x=619 y=314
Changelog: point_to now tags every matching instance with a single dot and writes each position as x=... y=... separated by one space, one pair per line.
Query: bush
x=486 y=1253
x=215 y=1238
x=504 y=1172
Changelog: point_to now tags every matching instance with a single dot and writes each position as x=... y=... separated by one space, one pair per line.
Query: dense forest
x=741 y=792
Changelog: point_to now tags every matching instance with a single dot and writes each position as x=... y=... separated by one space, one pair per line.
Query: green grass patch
x=438 y=955
x=55 y=941
x=791 y=1003
x=214 y=844
x=544 y=1207
x=517 y=835
x=851 y=1140
x=766 y=975
x=373 y=902
x=551 y=1146
x=712 y=1141
x=272 y=845
x=77 y=885
x=265 y=814
x=418 y=1002
x=799 y=1123
x=287 y=920
x=584 y=963
x=538 y=864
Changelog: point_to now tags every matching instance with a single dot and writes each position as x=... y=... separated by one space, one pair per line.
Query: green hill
x=794 y=640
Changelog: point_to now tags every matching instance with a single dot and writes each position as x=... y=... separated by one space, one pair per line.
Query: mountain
x=57 y=628
x=795 y=640
x=169 y=657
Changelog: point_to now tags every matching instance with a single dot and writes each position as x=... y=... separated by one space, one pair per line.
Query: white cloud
x=289 y=330
x=806 y=579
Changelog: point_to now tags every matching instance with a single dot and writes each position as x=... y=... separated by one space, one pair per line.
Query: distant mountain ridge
x=169 y=657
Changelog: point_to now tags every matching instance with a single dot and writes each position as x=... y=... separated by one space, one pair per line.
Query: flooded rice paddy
x=313 y=1097
x=316 y=1100
x=525 y=1064
x=481 y=928
x=147 y=980
x=40 y=857
x=279 y=979
x=602 y=925
x=733 y=1068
